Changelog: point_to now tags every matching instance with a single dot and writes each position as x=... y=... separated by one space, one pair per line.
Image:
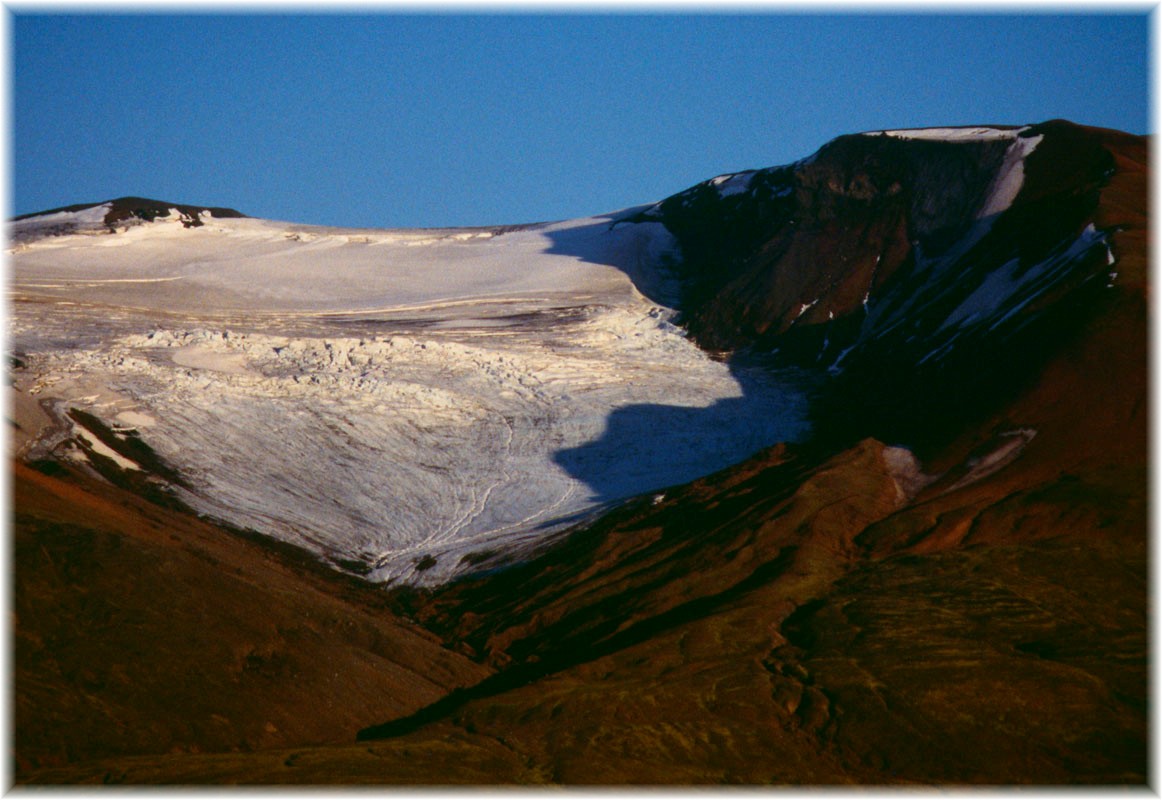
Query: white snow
x=1010 y=177
x=203 y=357
x=262 y=266
x=1006 y=452
x=132 y=420
x=1006 y=290
x=805 y=307
x=88 y=221
x=85 y=218
x=904 y=469
x=951 y=134
x=997 y=287
x=733 y=183
x=382 y=396
x=102 y=449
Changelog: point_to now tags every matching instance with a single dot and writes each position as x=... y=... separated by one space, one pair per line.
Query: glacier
x=408 y=405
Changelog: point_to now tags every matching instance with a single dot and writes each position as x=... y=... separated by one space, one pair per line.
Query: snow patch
x=52 y=228
x=1012 y=445
x=132 y=420
x=951 y=134
x=733 y=183
x=85 y=217
x=904 y=470
x=102 y=449
x=1010 y=177
x=805 y=307
x=1006 y=290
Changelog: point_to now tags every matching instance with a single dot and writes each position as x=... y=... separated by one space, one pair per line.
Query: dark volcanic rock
x=140 y=208
x=946 y=268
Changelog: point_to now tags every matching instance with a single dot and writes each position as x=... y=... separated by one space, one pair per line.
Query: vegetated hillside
x=838 y=611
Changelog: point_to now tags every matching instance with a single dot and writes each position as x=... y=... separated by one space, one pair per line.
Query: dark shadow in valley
x=649 y=446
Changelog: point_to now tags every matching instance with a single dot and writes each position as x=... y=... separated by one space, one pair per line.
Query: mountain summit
x=932 y=271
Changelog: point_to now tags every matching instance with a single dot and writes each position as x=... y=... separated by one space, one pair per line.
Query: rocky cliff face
x=932 y=272
x=873 y=217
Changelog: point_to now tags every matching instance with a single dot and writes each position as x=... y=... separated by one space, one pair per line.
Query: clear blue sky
x=431 y=119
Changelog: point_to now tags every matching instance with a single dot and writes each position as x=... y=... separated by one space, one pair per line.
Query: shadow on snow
x=649 y=446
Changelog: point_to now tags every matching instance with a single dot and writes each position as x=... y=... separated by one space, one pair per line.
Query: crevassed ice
x=407 y=402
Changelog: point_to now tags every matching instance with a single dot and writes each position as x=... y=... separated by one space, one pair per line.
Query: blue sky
x=384 y=118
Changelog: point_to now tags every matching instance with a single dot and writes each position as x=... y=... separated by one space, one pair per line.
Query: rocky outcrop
x=111 y=216
x=933 y=273
x=125 y=208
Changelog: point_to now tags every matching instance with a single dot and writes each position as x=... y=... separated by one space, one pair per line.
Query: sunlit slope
x=234 y=263
x=142 y=630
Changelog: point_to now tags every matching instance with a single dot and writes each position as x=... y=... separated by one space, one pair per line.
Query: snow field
x=399 y=403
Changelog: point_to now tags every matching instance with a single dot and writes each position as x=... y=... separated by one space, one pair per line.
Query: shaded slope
x=934 y=277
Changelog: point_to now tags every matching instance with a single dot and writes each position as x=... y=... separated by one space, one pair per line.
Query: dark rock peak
x=786 y=237
x=898 y=261
x=141 y=208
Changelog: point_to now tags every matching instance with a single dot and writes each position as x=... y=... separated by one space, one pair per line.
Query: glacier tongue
x=406 y=440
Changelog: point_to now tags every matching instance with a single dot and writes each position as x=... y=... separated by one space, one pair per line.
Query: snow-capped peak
x=983 y=134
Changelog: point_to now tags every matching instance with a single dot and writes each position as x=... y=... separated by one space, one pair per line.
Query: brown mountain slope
x=1026 y=535
x=807 y=661
x=141 y=630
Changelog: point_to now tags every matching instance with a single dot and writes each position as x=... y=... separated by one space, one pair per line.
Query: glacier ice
x=407 y=401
